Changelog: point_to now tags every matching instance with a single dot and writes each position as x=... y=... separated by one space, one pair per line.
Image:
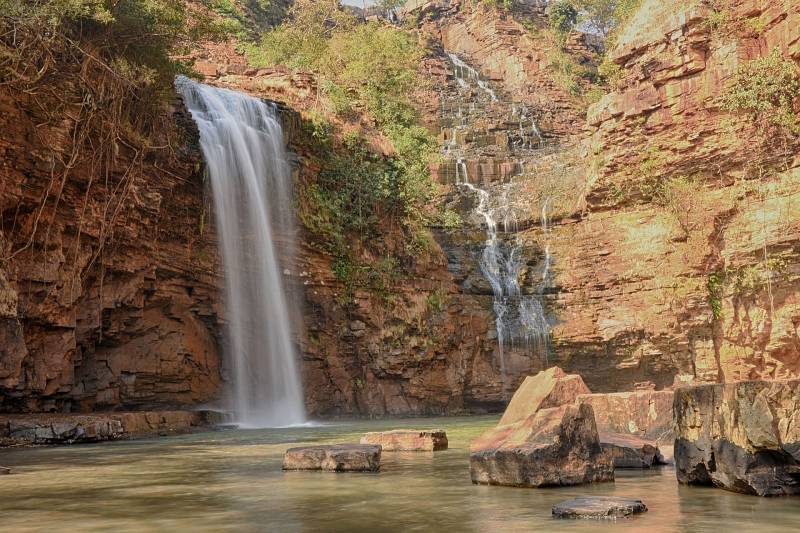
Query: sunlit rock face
x=553 y=447
x=635 y=288
x=743 y=437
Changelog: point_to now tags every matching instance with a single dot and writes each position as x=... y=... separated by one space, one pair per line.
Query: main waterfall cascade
x=243 y=145
x=519 y=309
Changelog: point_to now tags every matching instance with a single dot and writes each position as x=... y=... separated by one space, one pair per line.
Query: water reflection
x=232 y=481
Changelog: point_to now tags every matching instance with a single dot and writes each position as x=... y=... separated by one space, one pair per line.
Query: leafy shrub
x=766 y=90
x=563 y=17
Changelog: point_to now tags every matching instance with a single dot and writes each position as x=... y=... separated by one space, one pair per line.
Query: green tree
x=563 y=16
x=605 y=16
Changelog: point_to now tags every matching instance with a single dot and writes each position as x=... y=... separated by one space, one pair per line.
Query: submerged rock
x=743 y=437
x=408 y=440
x=4 y=471
x=549 y=388
x=630 y=451
x=598 y=507
x=552 y=447
x=334 y=458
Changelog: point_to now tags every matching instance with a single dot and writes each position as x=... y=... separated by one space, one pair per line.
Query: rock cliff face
x=706 y=287
x=108 y=285
x=109 y=289
x=741 y=436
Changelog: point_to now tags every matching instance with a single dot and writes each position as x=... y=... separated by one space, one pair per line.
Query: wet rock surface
x=598 y=507
x=38 y=429
x=743 y=437
x=552 y=447
x=4 y=471
x=334 y=458
x=408 y=440
x=629 y=451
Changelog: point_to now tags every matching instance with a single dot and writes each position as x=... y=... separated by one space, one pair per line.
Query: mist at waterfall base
x=251 y=182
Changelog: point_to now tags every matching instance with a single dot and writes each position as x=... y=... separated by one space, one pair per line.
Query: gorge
x=233 y=213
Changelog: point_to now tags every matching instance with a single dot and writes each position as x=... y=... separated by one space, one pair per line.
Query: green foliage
x=436 y=301
x=568 y=73
x=606 y=17
x=360 y=194
x=715 y=289
x=766 y=90
x=681 y=197
x=563 y=17
x=498 y=4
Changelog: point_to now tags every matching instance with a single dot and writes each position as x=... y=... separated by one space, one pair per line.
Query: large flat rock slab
x=334 y=458
x=547 y=389
x=553 y=447
x=68 y=428
x=598 y=507
x=408 y=440
x=646 y=414
x=630 y=451
x=743 y=437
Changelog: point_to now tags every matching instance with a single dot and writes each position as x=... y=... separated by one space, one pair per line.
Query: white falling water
x=243 y=146
x=519 y=314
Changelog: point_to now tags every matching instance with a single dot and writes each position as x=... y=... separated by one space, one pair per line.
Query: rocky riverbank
x=49 y=429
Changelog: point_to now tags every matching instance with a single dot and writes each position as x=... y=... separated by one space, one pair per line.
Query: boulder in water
x=552 y=447
x=743 y=437
x=598 y=507
x=4 y=471
x=549 y=388
x=334 y=458
x=630 y=451
x=408 y=440
x=646 y=413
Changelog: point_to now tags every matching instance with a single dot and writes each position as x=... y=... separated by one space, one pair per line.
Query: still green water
x=232 y=481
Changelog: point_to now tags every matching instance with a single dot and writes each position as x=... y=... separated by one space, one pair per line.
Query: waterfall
x=251 y=182
x=519 y=310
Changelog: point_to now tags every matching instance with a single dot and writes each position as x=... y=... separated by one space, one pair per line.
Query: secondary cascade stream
x=467 y=110
x=243 y=145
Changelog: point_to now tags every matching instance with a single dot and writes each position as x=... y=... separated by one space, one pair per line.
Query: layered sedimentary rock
x=552 y=447
x=646 y=414
x=642 y=299
x=108 y=286
x=408 y=440
x=334 y=458
x=743 y=437
x=71 y=428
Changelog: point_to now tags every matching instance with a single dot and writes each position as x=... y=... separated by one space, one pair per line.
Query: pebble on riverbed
x=598 y=507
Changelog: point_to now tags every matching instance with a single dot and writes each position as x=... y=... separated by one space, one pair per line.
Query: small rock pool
x=232 y=481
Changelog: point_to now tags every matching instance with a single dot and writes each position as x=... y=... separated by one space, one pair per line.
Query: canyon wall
x=108 y=283
x=110 y=293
